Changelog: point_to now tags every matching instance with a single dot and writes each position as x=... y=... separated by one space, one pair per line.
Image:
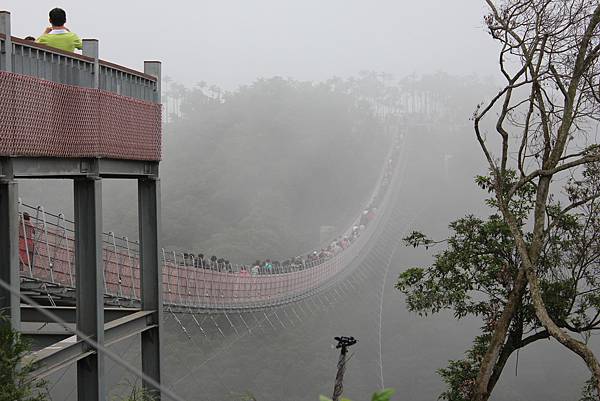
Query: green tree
x=549 y=53
x=476 y=272
x=15 y=381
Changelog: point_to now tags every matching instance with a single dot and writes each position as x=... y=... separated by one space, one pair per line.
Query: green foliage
x=470 y=276
x=417 y=238
x=382 y=395
x=135 y=392
x=15 y=382
x=474 y=275
x=460 y=375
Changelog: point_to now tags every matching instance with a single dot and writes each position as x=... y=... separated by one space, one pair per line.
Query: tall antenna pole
x=344 y=343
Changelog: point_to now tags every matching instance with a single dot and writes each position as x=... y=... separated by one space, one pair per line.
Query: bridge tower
x=77 y=117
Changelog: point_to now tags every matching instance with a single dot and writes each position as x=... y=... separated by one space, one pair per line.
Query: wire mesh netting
x=40 y=118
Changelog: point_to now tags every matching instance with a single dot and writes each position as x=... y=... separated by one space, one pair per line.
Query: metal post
x=47 y=243
x=91 y=49
x=26 y=241
x=154 y=68
x=61 y=217
x=131 y=268
x=5 y=29
x=9 y=250
x=89 y=288
x=151 y=276
x=116 y=254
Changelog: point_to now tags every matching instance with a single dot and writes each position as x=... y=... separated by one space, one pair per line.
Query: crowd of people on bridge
x=316 y=257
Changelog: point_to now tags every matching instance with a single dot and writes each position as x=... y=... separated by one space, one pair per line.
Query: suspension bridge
x=47 y=265
x=79 y=117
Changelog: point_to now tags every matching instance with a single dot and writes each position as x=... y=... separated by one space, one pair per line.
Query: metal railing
x=46 y=249
x=40 y=61
x=59 y=104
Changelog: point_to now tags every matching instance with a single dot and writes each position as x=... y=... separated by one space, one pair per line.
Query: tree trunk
x=488 y=364
x=529 y=258
x=571 y=343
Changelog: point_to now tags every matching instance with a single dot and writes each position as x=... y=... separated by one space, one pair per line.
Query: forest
x=256 y=172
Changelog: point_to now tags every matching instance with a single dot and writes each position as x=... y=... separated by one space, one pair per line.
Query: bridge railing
x=40 y=61
x=47 y=255
x=46 y=251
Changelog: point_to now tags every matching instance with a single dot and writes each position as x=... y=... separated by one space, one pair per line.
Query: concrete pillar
x=91 y=384
x=151 y=277
x=9 y=250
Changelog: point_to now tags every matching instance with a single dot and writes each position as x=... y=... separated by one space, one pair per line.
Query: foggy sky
x=233 y=42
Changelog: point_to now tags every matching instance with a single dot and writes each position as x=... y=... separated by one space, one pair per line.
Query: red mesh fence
x=39 y=118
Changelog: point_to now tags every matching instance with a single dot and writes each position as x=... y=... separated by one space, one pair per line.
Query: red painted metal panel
x=39 y=118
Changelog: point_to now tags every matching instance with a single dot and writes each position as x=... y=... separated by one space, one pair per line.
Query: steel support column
x=151 y=277
x=8 y=50
x=91 y=49
x=91 y=384
x=9 y=250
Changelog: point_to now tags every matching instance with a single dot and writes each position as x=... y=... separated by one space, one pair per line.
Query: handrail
x=49 y=49
x=42 y=61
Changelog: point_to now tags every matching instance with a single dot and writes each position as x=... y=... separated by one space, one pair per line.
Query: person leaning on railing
x=58 y=35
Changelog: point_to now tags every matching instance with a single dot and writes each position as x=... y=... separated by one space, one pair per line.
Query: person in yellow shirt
x=59 y=36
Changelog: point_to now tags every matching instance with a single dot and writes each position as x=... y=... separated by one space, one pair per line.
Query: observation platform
x=65 y=115
x=75 y=116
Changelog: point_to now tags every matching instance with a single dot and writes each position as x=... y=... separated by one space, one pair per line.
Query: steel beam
x=89 y=289
x=151 y=277
x=67 y=313
x=54 y=167
x=72 y=349
x=9 y=250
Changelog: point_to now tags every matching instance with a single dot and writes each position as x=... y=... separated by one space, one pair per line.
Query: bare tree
x=549 y=58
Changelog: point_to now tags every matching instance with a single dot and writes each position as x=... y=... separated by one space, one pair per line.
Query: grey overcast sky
x=232 y=42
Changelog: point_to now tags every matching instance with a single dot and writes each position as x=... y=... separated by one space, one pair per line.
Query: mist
x=274 y=136
x=230 y=43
